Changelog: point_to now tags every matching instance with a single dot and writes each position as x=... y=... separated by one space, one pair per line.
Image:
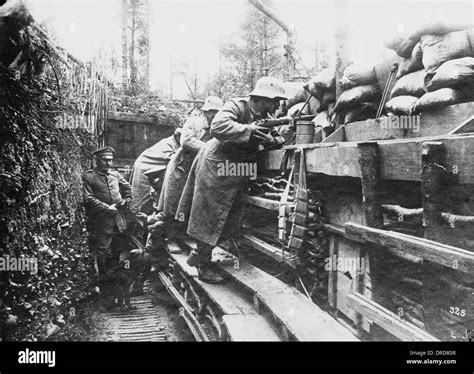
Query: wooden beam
x=431 y=187
x=269 y=250
x=399 y=159
x=261 y=202
x=340 y=230
x=304 y=320
x=370 y=178
x=337 y=136
x=465 y=127
x=446 y=255
x=389 y=321
x=332 y=279
x=132 y=117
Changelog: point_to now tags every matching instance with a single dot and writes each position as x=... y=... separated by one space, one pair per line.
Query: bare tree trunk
x=124 y=45
x=147 y=50
x=133 y=65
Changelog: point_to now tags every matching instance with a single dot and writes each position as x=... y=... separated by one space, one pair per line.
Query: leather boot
x=207 y=271
x=193 y=259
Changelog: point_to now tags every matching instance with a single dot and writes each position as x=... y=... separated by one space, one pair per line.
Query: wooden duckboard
x=303 y=319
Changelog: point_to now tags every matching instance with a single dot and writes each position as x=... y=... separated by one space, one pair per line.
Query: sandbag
x=401 y=44
x=453 y=73
x=295 y=93
x=328 y=98
x=314 y=105
x=450 y=22
x=401 y=104
x=359 y=74
x=361 y=112
x=324 y=80
x=322 y=120
x=441 y=48
x=355 y=96
x=412 y=84
x=437 y=99
x=295 y=109
x=414 y=63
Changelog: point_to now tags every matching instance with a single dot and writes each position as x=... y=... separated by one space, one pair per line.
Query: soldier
x=157 y=155
x=195 y=134
x=209 y=200
x=105 y=193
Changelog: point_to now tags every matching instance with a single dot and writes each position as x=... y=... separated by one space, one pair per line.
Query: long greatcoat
x=102 y=189
x=159 y=154
x=209 y=201
x=194 y=136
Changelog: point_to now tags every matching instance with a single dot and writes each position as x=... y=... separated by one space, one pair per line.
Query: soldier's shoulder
x=88 y=173
x=237 y=100
x=115 y=173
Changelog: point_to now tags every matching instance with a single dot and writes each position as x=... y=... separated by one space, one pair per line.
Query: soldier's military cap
x=107 y=152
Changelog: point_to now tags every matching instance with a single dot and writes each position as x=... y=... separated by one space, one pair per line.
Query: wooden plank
x=332 y=278
x=432 y=190
x=225 y=296
x=451 y=257
x=399 y=159
x=453 y=119
x=261 y=202
x=376 y=129
x=270 y=250
x=388 y=320
x=245 y=328
x=444 y=120
x=136 y=118
x=303 y=319
x=337 y=136
x=465 y=127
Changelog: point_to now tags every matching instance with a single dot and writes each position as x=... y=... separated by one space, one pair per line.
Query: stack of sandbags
x=323 y=88
x=406 y=92
x=361 y=95
x=297 y=95
x=440 y=51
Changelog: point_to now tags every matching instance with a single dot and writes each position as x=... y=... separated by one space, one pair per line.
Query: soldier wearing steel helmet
x=209 y=202
x=195 y=134
x=105 y=192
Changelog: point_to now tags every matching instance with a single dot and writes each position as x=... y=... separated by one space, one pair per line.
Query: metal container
x=304 y=132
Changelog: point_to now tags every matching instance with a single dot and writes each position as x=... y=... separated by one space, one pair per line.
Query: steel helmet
x=212 y=103
x=269 y=87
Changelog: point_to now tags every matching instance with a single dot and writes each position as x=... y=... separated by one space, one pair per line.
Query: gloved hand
x=260 y=135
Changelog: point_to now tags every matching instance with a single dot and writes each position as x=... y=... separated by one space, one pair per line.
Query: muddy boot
x=208 y=273
x=193 y=259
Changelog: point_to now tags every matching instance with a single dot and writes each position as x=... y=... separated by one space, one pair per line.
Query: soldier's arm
x=90 y=201
x=226 y=128
x=189 y=139
x=125 y=187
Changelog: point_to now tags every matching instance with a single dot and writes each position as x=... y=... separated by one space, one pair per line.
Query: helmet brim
x=263 y=93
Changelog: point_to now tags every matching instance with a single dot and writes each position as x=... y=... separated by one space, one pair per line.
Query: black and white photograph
x=184 y=172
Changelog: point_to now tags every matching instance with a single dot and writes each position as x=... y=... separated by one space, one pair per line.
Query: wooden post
x=370 y=176
x=432 y=159
x=332 y=282
x=369 y=161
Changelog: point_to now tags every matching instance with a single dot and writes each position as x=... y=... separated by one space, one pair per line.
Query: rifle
x=272 y=122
